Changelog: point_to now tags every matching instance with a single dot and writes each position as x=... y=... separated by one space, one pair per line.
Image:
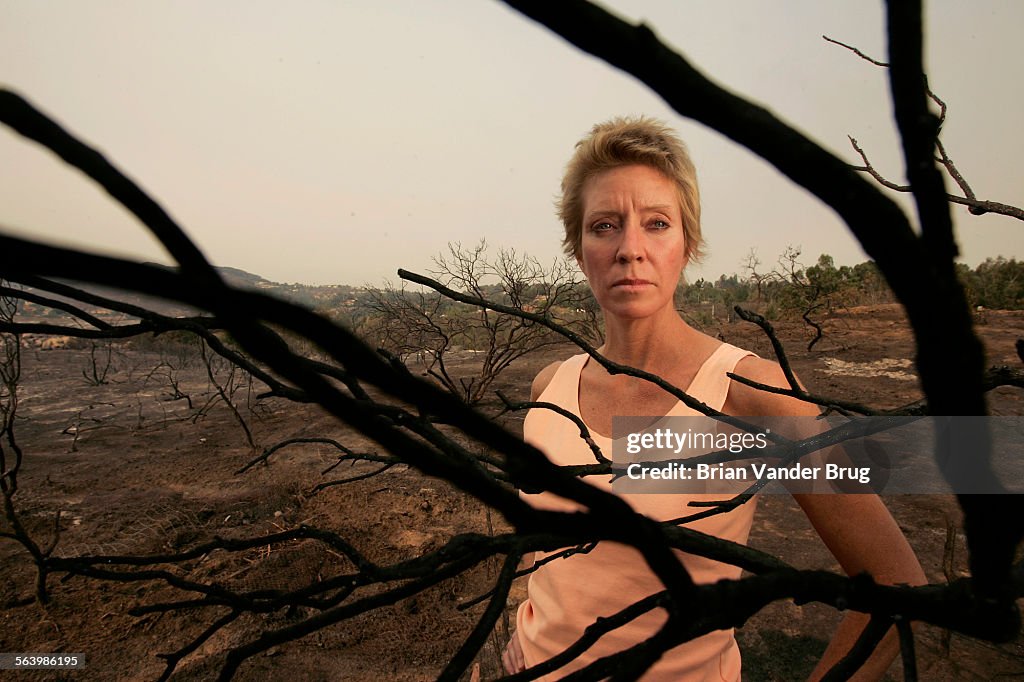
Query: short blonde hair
x=624 y=142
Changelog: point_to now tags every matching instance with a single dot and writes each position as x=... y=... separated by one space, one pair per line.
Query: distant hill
x=233 y=276
x=241 y=278
x=316 y=297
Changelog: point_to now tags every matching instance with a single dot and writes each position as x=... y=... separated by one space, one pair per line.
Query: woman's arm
x=858 y=529
x=862 y=535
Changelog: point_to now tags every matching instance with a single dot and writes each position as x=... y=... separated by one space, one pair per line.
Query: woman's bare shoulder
x=746 y=400
x=543 y=378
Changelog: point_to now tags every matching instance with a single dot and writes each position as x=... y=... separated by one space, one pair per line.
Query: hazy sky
x=334 y=142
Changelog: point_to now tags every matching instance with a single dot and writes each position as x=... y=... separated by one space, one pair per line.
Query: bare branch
x=974 y=205
x=352 y=479
x=865 y=645
x=857 y=52
x=584 y=431
x=907 y=650
x=464 y=656
x=173 y=659
x=54 y=304
x=267 y=452
x=780 y=352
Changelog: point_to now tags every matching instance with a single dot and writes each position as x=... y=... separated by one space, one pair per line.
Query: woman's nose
x=631 y=246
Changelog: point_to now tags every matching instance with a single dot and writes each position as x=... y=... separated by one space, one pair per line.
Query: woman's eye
x=659 y=224
x=602 y=227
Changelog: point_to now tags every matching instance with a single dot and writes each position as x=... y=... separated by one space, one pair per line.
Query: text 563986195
x=41 y=661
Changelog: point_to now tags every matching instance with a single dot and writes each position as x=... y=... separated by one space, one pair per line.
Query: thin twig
x=584 y=431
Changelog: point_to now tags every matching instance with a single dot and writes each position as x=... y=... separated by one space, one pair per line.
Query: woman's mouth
x=629 y=283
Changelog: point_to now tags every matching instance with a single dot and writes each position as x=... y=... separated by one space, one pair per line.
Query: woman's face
x=633 y=248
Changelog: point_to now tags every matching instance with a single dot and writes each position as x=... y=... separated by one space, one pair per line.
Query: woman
x=631 y=212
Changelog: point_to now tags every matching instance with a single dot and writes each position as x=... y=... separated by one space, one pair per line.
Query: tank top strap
x=563 y=389
x=711 y=385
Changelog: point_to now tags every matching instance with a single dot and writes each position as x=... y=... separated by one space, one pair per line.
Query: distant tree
x=997 y=283
x=749 y=266
x=805 y=291
x=101 y=361
x=432 y=330
x=868 y=281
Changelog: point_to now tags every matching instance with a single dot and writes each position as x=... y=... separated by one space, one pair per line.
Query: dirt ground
x=133 y=472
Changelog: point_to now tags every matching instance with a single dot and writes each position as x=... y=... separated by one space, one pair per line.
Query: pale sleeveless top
x=566 y=595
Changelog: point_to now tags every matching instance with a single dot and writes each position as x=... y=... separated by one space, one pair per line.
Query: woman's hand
x=512 y=658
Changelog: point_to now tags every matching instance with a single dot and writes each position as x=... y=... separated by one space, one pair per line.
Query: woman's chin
x=633 y=311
